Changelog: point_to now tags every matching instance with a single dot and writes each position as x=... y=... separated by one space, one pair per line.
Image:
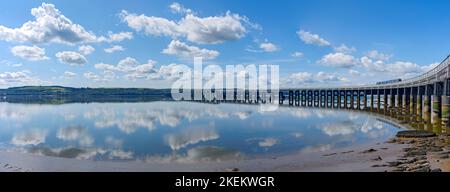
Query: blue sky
x=99 y=43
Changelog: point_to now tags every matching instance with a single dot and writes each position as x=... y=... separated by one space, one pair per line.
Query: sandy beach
x=373 y=157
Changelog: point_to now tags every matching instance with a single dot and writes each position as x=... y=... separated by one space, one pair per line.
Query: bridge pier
x=419 y=104
x=446 y=108
x=412 y=102
x=427 y=106
x=297 y=97
x=371 y=100
x=436 y=107
x=385 y=101
x=378 y=100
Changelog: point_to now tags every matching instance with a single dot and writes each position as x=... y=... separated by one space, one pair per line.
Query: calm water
x=180 y=131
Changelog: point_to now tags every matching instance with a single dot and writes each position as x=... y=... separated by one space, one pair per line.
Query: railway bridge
x=421 y=99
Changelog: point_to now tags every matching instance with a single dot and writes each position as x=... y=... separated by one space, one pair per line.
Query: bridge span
x=424 y=99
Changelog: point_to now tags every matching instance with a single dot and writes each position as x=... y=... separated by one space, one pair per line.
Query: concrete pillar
x=426 y=105
x=404 y=104
x=345 y=99
x=436 y=108
x=435 y=112
x=332 y=99
x=371 y=100
x=280 y=100
x=352 y=99
x=419 y=105
x=338 y=99
x=445 y=110
x=315 y=99
x=385 y=100
x=364 y=100
x=392 y=100
x=412 y=111
x=378 y=100
x=291 y=97
x=310 y=99
x=358 y=100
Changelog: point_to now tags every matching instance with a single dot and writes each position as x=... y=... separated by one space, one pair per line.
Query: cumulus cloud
x=131 y=68
x=106 y=76
x=68 y=74
x=116 y=37
x=268 y=47
x=183 y=50
x=114 y=49
x=204 y=30
x=374 y=54
x=18 y=78
x=32 y=53
x=50 y=25
x=71 y=58
x=178 y=8
x=310 y=78
x=310 y=38
x=344 y=49
x=86 y=49
x=340 y=60
x=297 y=54
x=398 y=68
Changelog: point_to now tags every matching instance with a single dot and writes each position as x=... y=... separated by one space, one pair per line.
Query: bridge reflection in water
x=423 y=102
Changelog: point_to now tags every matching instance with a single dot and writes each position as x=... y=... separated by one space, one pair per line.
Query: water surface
x=181 y=131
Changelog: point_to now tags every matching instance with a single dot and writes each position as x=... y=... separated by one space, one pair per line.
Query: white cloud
x=310 y=38
x=338 y=60
x=68 y=74
x=310 y=78
x=107 y=76
x=50 y=25
x=207 y=30
x=429 y=67
x=86 y=49
x=178 y=8
x=354 y=72
x=344 y=49
x=268 y=47
x=297 y=54
x=131 y=68
x=374 y=54
x=114 y=49
x=33 y=53
x=71 y=58
x=116 y=37
x=18 y=78
x=398 y=68
x=183 y=50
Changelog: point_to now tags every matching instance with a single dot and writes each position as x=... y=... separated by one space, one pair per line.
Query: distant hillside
x=70 y=91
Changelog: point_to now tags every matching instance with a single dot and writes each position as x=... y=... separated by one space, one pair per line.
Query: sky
x=135 y=43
